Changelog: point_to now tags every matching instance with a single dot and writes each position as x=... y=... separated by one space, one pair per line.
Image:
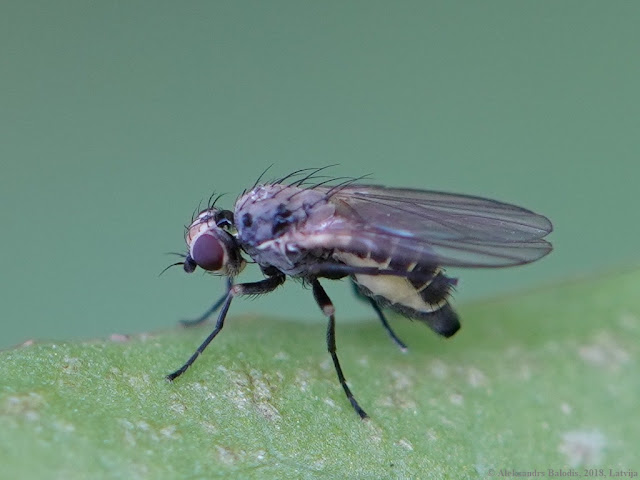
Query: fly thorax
x=272 y=221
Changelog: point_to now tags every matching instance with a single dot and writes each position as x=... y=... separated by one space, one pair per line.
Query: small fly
x=392 y=243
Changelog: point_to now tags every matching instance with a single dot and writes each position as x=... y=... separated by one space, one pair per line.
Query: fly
x=392 y=243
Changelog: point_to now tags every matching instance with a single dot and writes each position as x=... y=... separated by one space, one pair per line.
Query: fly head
x=211 y=244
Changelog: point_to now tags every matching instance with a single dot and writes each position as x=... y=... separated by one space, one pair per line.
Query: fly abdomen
x=437 y=289
x=424 y=299
x=435 y=293
x=443 y=321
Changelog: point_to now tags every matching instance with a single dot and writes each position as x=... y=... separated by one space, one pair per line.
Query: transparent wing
x=435 y=227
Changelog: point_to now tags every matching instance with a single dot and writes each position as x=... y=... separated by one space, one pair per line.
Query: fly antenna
x=172 y=265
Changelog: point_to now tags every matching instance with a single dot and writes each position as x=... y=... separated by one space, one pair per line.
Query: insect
x=392 y=243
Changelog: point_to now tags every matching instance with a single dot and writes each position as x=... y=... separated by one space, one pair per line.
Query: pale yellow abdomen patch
x=398 y=290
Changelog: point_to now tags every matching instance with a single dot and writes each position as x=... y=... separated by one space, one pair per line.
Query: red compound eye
x=208 y=252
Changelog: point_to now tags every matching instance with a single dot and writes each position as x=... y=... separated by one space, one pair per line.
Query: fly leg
x=324 y=302
x=255 y=288
x=381 y=316
x=214 y=308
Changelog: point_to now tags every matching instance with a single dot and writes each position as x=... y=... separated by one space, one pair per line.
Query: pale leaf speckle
x=582 y=447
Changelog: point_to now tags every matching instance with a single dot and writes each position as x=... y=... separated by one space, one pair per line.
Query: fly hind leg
x=325 y=304
x=381 y=316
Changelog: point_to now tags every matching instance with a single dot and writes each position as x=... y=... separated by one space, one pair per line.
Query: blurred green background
x=117 y=118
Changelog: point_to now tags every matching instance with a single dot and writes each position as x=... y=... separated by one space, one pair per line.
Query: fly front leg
x=325 y=304
x=255 y=288
x=213 y=309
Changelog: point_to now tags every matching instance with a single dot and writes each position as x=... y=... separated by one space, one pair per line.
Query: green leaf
x=538 y=381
